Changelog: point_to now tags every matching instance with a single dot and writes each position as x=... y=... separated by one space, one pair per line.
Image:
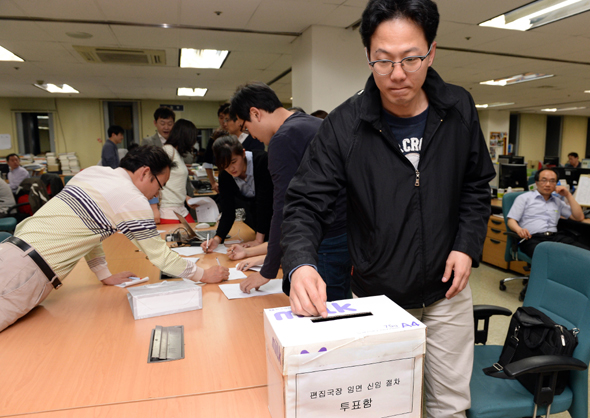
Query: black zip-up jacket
x=402 y=223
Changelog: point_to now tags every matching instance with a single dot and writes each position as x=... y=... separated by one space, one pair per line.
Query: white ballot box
x=366 y=357
x=165 y=298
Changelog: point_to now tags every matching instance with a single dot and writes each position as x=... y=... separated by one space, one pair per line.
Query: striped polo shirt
x=95 y=204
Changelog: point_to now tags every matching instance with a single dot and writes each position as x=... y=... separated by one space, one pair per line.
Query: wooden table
x=81 y=353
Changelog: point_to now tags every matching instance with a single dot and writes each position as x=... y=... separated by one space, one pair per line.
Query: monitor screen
x=513 y=175
x=551 y=161
x=517 y=159
x=4 y=168
x=505 y=159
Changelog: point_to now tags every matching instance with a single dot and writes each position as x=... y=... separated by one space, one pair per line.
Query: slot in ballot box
x=366 y=357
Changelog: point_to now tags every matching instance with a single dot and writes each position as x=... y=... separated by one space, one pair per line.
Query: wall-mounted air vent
x=121 y=55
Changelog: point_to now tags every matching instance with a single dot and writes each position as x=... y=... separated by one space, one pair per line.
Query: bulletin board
x=498 y=143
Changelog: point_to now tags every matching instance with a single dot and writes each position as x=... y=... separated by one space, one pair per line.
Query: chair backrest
x=4 y=235
x=507 y=202
x=559 y=285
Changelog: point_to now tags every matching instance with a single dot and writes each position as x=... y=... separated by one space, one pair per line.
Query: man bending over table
x=95 y=204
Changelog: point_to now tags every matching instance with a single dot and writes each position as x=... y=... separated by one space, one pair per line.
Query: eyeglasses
x=551 y=181
x=409 y=64
x=159 y=184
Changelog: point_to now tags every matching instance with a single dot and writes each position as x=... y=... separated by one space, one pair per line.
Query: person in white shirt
x=182 y=138
x=17 y=173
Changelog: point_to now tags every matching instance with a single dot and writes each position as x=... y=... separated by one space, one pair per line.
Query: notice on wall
x=5 y=142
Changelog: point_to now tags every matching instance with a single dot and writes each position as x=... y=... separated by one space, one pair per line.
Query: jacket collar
x=438 y=92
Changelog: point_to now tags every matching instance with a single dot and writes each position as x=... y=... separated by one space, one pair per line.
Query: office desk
x=83 y=349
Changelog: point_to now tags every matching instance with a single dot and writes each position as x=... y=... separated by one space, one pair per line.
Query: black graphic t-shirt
x=409 y=133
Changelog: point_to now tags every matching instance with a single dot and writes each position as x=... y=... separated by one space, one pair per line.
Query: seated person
x=95 y=204
x=17 y=173
x=243 y=175
x=182 y=138
x=534 y=215
x=110 y=152
x=573 y=160
x=6 y=197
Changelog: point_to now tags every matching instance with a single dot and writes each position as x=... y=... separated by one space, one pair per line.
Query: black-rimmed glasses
x=409 y=64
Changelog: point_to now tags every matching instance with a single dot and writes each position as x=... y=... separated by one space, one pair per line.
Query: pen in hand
x=207 y=242
x=520 y=242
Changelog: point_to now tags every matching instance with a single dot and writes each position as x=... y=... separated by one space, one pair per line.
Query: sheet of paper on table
x=187 y=251
x=232 y=291
x=235 y=274
x=207 y=210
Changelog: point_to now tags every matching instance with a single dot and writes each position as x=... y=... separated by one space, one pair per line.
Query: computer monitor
x=571 y=175
x=4 y=169
x=513 y=175
x=505 y=159
x=517 y=159
x=549 y=161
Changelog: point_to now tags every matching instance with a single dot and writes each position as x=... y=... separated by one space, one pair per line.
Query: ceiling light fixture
x=6 y=55
x=57 y=88
x=202 y=58
x=586 y=91
x=563 y=109
x=538 y=13
x=488 y=105
x=515 y=79
x=187 y=91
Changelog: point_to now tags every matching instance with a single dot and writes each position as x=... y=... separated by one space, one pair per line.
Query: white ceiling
x=260 y=43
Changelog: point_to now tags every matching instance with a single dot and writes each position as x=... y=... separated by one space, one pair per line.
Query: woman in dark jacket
x=244 y=181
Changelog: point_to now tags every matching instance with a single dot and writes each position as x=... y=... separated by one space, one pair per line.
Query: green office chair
x=560 y=287
x=512 y=252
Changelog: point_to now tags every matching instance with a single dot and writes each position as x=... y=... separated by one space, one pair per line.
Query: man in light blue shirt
x=17 y=173
x=534 y=215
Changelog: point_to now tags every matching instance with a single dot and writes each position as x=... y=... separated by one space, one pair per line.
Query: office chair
x=559 y=287
x=4 y=235
x=7 y=224
x=512 y=252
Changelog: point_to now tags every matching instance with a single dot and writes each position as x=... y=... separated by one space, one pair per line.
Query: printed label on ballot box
x=381 y=389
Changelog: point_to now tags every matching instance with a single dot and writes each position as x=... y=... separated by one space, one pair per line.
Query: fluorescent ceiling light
x=6 y=55
x=488 y=105
x=56 y=88
x=538 y=13
x=202 y=58
x=586 y=91
x=187 y=91
x=563 y=109
x=515 y=79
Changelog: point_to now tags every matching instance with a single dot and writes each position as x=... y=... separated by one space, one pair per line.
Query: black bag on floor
x=532 y=333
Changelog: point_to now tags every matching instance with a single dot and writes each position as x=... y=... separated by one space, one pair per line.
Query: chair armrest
x=543 y=364
x=485 y=311
x=18 y=205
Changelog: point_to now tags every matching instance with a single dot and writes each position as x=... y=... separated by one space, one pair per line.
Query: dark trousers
x=528 y=246
x=334 y=265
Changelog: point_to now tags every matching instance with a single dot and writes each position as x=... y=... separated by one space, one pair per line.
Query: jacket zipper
x=417 y=182
x=562 y=336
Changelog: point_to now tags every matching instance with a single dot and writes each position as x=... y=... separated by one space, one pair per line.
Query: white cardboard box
x=165 y=298
x=368 y=361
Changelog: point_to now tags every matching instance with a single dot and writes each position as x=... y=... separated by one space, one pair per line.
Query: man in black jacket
x=411 y=154
x=288 y=135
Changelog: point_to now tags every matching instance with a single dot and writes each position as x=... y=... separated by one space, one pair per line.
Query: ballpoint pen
x=218 y=263
x=207 y=249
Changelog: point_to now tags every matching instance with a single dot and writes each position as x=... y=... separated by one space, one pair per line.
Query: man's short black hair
x=224 y=149
x=573 y=154
x=115 y=130
x=12 y=155
x=297 y=109
x=164 y=113
x=227 y=112
x=222 y=109
x=183 y=136
x=147 y=156
x=538 y=173
x=256 y=94
x=424 y=13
